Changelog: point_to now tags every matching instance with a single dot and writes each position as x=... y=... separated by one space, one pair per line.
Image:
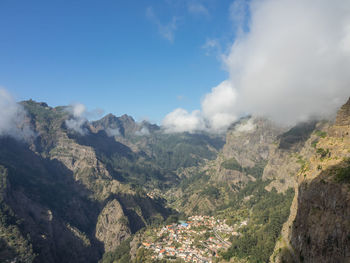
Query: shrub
x=231 y=164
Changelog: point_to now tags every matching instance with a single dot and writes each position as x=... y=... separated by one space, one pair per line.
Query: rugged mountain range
x=68 y=196
x=71 y=195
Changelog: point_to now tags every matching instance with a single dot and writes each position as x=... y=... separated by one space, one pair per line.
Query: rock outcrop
x=112 y=225
x=249 y=141
x=321 y=229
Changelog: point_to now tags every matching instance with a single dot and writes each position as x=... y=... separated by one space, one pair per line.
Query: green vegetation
x=304 y=165
x=314 y=143
x=256 y=171
x=211 y=191
x=321 y=134
x=120 y=255
x=172 y=151
x=267 y=213
x=196 y=179
x=342 y=174
x=323 y=153
x=232 y=164
x=13 y=243
x=297 y=135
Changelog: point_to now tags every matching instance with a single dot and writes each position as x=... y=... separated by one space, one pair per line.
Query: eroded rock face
x=250 y=141
x=321 y=229
x=112 y=226
x=318 y=229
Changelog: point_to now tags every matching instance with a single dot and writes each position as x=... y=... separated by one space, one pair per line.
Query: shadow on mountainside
x=297 y=136
x=56 y=212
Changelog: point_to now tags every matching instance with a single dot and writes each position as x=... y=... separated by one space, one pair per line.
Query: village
x=199 y=239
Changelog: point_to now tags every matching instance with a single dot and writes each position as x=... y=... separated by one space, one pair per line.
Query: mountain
x=318 y=226
x=254 y=179
x=81 y=191
x=70 y=196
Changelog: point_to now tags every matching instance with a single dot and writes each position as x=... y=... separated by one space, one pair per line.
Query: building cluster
x=198 y=239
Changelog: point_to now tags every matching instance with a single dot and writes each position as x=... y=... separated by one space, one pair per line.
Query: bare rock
x=112 y=226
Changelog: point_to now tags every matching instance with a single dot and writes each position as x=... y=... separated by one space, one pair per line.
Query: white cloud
x=78 y=110
x=111 y=132
x=78 y=120
x=80 y=116
x=13 y=118
x=143 y=132
x=219 y=105
x=167 y=31
x=216 y=112
x=197 y=9
x=181 y=120
x=293 y=63
x=246 y=126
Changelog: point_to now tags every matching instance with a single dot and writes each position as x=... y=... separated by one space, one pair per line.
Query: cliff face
x=112 y=225
x=290 y=154
x=249 y=141
x=321 y=229
x=318 y=227
x=249 y=145
x=48 y=208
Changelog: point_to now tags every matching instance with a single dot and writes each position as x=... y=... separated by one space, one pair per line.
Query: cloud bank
x=291 y=64
x=13 y=118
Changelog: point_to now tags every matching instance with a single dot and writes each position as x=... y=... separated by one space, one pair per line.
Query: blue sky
x=143 y=58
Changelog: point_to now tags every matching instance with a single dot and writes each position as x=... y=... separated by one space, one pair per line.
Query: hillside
x=102 y=191
x=71 y=196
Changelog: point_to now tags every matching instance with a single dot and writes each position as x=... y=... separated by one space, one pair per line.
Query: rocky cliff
x=318 y=227
x=112 y=225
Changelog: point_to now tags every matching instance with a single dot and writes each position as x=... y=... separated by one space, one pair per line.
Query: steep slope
x=248 y=146
x=56 y=219
x=73 y=194
x=318 y=227
x=13 y=244
x=61 y=186
x=251 y=181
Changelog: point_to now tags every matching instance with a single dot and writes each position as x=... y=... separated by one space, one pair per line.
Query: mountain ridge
x=102 y=187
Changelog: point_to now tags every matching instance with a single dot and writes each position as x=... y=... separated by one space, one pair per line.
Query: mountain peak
x=126 y=118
